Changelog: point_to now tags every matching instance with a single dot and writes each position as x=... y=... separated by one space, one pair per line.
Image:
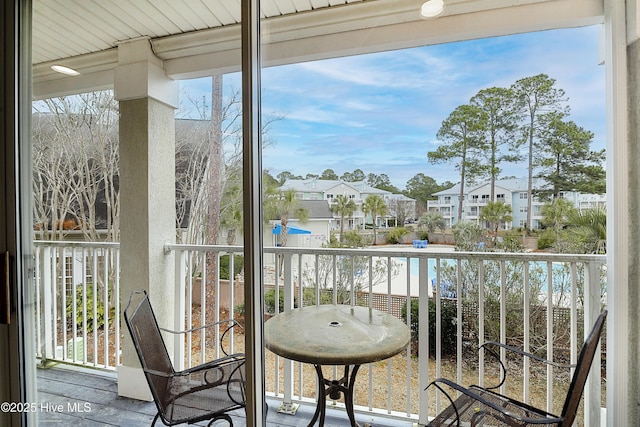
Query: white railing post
x=592 y=308
x=287 y=406
x=47 y=303
x=423 y=339
x=180 y=310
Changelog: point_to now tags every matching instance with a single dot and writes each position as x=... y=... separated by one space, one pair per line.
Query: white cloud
x=381 y=112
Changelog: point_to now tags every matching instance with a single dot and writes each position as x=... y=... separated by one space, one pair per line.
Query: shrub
x=511 y=242
x=423 y=235
x=309 y=296
x=395 y=236
x=546 y=239
x=239 y=309
x=238 y=264
x=270 y=301
x=353 y=239
x=90 y=314
x=468 y=236
x=449 y=324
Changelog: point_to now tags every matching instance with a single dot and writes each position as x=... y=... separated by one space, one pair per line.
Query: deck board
x=63 y=387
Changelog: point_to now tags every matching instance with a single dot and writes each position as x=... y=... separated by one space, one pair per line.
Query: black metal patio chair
x=205 y=392
x=479 y=406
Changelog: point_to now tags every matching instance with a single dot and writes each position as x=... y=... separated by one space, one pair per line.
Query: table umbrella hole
x=335 y=324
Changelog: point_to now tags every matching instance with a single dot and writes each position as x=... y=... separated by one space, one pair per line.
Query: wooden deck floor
x=71 y=396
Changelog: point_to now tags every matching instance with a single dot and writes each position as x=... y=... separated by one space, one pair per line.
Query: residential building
x=512 y=192
x=312 y=233
x=399 y=207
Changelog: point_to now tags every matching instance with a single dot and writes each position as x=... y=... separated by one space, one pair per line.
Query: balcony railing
x=466 y=297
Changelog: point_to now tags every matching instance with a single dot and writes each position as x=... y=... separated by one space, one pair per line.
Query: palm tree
x=374 y=205
x=345 y=207
x=289 y=206
x=431 y=221
x=556 y=214
x=588 y=229
x=495 y=213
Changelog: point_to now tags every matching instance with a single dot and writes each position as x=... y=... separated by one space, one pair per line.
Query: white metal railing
x=500 y=292
x=568 y=283
x=78 y=303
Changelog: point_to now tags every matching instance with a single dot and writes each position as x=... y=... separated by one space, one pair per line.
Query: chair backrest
x=149 y=344
x=581 y=372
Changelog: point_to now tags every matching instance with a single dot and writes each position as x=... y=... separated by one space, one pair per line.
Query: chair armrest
x=232 y=324
x=524 y=353
x=496 y=356
x=210 y=325
x=234 y=358
x=496 y=407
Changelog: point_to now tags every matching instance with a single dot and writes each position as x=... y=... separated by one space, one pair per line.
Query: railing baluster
x=335 y=281
x=549 y=335
x=287 y=404
x=85 y=341
x=503 y=313
x=105 y=306
x=438 y=300
x=481 y=333
x=459 y=298
x=94 y=302
x=38 y=306
x=592 y=308
x=388 y=309
x=408 y=321
x=232 y=297
x=201 y=259
x=54 y=281
x=527 y=337
x=182 y=274
x=117 y=299
x=216 y=306
x=48 y=349
x=63 y=304
x=423 y=340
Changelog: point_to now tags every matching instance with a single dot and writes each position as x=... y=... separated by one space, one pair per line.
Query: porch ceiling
x=200 y=37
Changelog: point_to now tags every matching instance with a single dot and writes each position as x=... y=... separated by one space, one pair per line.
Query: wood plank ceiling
x=69 y=28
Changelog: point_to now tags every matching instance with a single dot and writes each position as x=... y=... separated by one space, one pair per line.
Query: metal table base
x=334 y=389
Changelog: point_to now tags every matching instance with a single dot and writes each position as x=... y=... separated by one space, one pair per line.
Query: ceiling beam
x=358 y=28
x=370 y=28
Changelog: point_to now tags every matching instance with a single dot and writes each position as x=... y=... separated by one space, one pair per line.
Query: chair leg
x=224 y=417
x=155 y=419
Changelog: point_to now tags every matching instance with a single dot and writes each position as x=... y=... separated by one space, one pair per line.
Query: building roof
x=312 y=185
x=318 y=209
x=509 y=184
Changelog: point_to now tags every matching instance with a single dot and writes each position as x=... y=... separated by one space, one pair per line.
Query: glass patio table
x=336 y=335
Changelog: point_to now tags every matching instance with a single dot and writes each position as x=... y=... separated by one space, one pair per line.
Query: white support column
x=147 y=193
x=623 y=224
x=631 y=309
x=633 y=229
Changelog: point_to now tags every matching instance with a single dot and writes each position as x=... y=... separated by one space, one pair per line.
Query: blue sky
x=381 y=112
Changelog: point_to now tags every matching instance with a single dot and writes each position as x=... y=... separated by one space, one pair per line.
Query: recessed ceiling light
x=64 y=70
x=431 y=8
